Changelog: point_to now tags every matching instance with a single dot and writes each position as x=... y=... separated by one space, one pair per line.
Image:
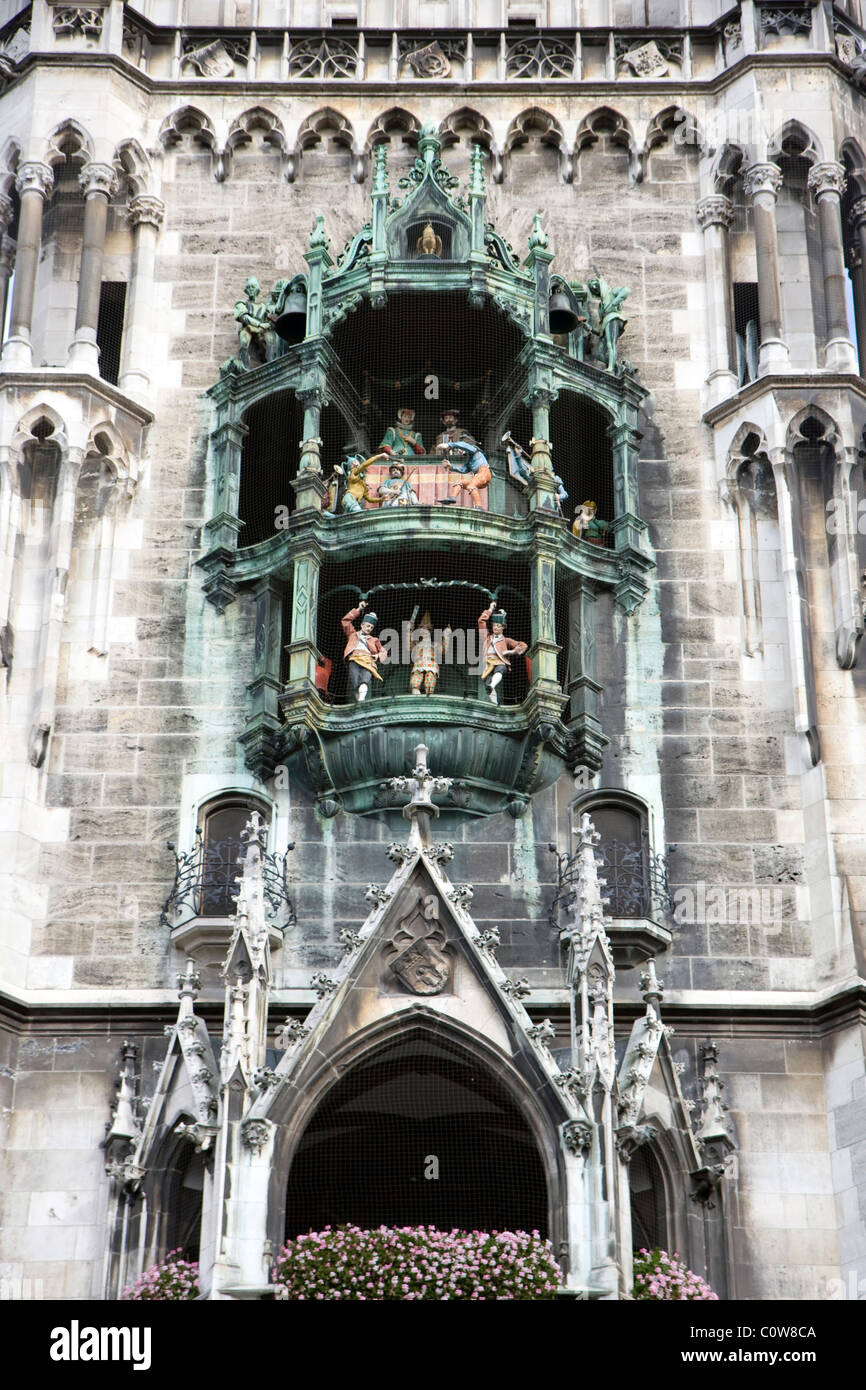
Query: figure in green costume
x=401 y=439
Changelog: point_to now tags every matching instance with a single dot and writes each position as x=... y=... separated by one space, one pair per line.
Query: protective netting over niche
x=419 y=1134
x=429 y=353
x=404 y=605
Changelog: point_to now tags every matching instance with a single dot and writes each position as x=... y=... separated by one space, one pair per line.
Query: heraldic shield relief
x=416 y=952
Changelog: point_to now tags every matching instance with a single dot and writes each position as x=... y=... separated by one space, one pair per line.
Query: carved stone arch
x=607 y=123
x=749 y=488
x=467 y=123
x=295 y=1107
x=795 y=140
x=105 y=443
x=395 y=121
x=854 y=160
x=10 y=158
x=133 y=167
x=41 y=422
x=69 y=140
x=824 y=431
x=330 y=123
x=728 y=168
x=167 y=1159
x=825 y=476
x=677 y=127
x=537 y=123
x=257 y=120
x=189 y=121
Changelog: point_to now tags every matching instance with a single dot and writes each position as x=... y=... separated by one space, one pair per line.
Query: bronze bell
x=291 y=325
x=563 y=319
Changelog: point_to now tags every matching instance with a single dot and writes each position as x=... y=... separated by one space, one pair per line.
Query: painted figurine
x=429 y=242
x=396 y=490
x=496 y=649
x=611 y=320
x=354 y=471
x=520 y=469
x=363 y=650
x=452 y=432
x=587 y=526
x=426 y=655
x=254 y=326
x=401 y=439
x=472 y=469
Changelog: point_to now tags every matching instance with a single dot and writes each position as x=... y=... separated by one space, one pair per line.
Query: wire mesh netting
x=421 y=1134
x=432 y=354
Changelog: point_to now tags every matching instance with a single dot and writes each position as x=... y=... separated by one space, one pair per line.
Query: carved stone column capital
x=34 y=177
x=827 y=178
x=97 y=178
x=762 y=178
x=715 y=211
x=144 y=208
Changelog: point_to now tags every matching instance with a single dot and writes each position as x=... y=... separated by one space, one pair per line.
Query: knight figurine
x=520 y=469
x=427 y=652
x=496 y=648
x=363 y=650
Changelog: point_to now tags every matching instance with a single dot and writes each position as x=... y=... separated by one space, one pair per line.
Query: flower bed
x=660 y=1276
x=416 y=1263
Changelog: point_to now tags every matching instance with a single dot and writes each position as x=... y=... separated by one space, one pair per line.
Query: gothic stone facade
x=699 y=164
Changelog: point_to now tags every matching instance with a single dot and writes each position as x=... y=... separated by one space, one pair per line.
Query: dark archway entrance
x=370 y=1154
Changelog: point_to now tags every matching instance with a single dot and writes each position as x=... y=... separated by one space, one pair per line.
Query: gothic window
x=222 y=846
x=648 y=1205
x=185 y=1189
x=624 y=856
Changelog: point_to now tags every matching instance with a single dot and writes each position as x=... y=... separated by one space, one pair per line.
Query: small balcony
x=200 y=908
x=638 y=904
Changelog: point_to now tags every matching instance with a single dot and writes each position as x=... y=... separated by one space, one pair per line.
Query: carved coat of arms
x=417 y=953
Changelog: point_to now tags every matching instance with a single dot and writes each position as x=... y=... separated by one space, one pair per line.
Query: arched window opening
x=649 y=1229
x=582 y=456
x=222 y=847
x=635 y=876
x=185 y=1188
x=419 y=1134
x=274 y=426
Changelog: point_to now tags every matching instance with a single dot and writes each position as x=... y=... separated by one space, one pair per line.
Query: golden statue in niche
x=429 y=243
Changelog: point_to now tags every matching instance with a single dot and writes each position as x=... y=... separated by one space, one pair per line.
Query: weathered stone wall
x=143 y=734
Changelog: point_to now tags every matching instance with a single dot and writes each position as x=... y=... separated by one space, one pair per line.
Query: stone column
x=761 y=186
x=98 y=183
x=145 y=214
x=34 y=182
x=715 y=215
x=827 y=182
x=857 y=220
x=7 y=257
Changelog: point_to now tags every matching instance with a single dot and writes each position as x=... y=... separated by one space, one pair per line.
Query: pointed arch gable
x=541 y=1107
x=68 y=140
x=396 y=120
x=797 y=140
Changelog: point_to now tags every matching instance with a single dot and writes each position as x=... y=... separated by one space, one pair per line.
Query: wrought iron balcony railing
x=206 y=878
x=636 y=881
